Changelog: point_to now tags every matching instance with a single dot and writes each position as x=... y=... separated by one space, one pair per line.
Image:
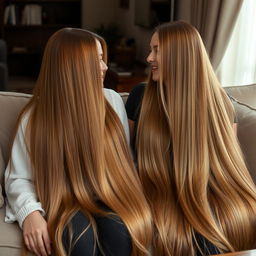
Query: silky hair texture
x=76 y=142
x=189 y=160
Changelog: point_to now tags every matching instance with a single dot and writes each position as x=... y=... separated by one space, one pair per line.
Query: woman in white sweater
x=71 y=177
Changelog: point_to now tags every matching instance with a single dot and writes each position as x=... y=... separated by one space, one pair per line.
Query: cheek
x=158 y=58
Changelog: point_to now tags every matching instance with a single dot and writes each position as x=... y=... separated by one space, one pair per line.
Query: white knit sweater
x=21 y=197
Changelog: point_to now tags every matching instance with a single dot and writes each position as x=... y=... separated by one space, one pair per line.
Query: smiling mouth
x=154 y=69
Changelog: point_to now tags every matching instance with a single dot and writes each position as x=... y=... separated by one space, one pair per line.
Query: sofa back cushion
x=11 y=105
x=244 y=101
x=1 y=178
x=245 y=94
x=246 y=132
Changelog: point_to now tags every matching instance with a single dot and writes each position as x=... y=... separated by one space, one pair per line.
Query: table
x=124 y=81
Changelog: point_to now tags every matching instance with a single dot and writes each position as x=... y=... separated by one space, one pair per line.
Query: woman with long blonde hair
x=202 y=197
x=71 y=182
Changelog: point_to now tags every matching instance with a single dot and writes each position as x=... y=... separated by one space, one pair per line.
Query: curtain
x=214 y=19
x=238 y=66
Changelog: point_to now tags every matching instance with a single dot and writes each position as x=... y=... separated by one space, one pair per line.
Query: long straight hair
x=78 y=150
x=189 y=160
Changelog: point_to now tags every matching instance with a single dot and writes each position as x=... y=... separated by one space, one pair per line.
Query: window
x=238 y=66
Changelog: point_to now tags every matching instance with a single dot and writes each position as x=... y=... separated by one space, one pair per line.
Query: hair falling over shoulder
x=77 y=145
x=189 y=160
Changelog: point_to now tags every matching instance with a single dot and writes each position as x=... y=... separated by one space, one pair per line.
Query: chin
x=155 y=78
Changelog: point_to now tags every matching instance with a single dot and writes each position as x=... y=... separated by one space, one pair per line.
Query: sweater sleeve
x=20 y=191
x=118 y=105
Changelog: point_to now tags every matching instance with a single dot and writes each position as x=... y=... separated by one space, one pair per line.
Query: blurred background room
x=226 y=26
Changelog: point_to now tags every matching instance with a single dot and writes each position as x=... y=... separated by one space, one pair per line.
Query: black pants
x=112 y=233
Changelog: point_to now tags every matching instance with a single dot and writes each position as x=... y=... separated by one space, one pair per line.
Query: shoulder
x=23 y=122
x=138 y=91
x=115 y=100
x=134 y=101
x=24 y=119
x=117 y=104
x=108 y=92
x=111 y=95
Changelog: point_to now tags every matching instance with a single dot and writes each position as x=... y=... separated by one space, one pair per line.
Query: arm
x=21 y=197
x=122 y=115
x=22 y=202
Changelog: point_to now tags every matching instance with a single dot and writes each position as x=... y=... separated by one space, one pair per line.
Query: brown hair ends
x=76 y=142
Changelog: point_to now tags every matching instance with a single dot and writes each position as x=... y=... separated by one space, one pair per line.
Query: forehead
x=99 y=47
x=154 y=40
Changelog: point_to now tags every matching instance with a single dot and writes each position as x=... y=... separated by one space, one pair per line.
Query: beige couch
x=12 y=103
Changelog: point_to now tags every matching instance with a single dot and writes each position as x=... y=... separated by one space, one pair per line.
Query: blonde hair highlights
x=189 y=160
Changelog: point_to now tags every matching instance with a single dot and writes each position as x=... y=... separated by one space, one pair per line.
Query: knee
x=78 y=235
x=113 y=235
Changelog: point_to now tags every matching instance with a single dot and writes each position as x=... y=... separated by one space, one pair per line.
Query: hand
x=36 y=235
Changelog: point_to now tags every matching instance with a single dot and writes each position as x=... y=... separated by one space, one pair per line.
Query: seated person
x=201 y=195
x=70 y=182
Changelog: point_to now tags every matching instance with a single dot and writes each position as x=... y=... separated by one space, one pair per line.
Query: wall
x=97 y=12
x=142 y=36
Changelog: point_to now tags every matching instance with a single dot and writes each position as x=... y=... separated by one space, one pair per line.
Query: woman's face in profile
x=154 y=56
x=103 y=66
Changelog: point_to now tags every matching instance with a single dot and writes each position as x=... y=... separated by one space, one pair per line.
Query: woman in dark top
x=133 y=106
x=202 y=198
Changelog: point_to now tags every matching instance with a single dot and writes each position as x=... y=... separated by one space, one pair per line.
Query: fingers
x=26 y=240
x=33 y=246
x=40 y=244
x=36 y=235
x=37 y=245
x=47 y=242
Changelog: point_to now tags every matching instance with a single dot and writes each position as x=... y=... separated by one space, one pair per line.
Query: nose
x=150 y=57
x=104 y=66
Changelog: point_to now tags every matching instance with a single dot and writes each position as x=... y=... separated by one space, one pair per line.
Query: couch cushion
x=245 y=94
x=1 y=176
x=11 y=105
x=1 y=197
x=10 y=235
x=2 y=167
x=246 y=132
